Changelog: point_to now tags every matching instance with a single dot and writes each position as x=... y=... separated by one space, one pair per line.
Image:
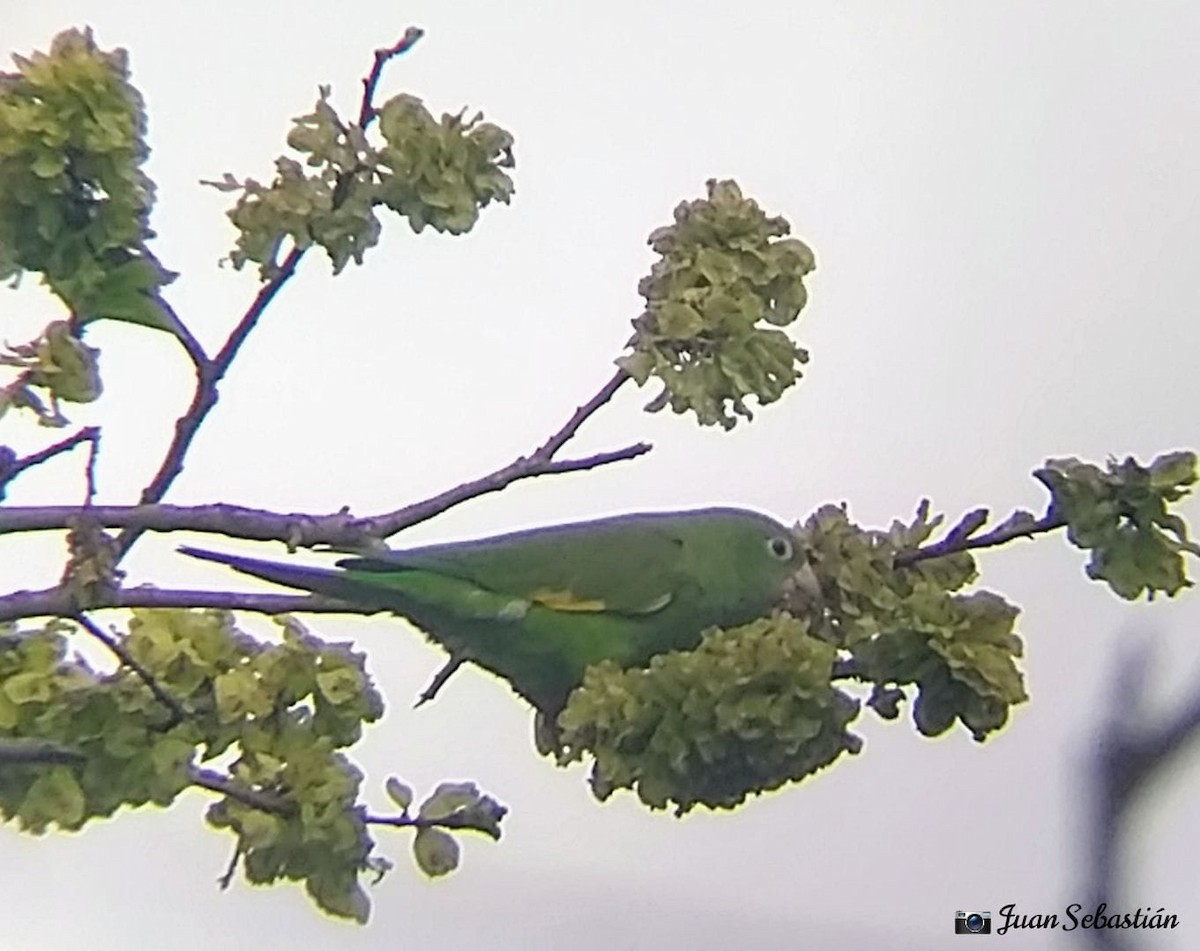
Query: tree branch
x=209 y=372
x=58 y=602
x=296 y=529
x=183 y=334
x=279 y=805
x=339 y=529
x=441 y=677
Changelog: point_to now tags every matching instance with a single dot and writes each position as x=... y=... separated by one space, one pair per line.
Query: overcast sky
x=1002 y=198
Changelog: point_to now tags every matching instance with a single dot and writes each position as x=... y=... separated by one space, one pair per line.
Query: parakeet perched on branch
x=538 y=607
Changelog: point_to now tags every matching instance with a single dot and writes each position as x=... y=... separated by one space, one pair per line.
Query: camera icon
x=973 y=922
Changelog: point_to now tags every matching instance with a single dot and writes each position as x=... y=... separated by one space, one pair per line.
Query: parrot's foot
x=440 y=678
x=547 y=737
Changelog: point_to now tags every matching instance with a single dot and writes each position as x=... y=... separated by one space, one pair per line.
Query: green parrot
x=538 y=607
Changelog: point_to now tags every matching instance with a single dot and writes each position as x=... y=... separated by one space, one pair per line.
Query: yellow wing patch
x=563 y=599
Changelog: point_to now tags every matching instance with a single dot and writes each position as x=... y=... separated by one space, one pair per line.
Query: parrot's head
x=752 y=557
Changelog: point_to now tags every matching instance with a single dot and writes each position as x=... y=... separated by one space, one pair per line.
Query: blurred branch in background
x=1131 y=751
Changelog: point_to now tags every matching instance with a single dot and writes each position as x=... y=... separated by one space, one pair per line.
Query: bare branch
x=89 y=471
x=226 y=877
x=339 y=529
x=523 y=468
x=191 y=345
x=582 y=414
x=296 y=529
x=281 y=806
x=541 y=462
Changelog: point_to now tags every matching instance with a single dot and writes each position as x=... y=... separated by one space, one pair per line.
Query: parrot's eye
x=780 y=548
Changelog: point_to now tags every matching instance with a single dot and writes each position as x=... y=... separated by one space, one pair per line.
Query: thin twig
x=191 y=345
x=366 y=109
x=523 y=468
x=89 y=471
x=955 y=544
x=187 y=340
x=89 y=434
x=339 y=531
x=540 y=462
x=550 y=447
x=113 y=643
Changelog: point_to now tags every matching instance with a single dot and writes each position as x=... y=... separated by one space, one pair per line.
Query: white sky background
x=1003 y=203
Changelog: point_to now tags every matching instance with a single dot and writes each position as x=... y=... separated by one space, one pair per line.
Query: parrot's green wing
x=627 y=565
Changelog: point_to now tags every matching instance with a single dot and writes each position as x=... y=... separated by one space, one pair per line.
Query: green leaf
x=259 y=829
x=400 y=793
x=1120 y=515
x=238 y=694
x=31 y=687
x=340 y=685
x=55 y=796
x=74 y=202
x=723 y=270
x=341 y=896
x=436 y=851
x=448 y=799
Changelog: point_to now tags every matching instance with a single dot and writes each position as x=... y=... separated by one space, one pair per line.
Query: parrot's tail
x=320 y=580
